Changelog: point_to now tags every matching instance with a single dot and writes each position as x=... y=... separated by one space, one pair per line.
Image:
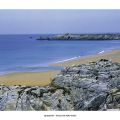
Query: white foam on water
x=67 y=59
x=101 y=52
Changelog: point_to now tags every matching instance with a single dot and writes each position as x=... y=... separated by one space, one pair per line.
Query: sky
x=59 y=21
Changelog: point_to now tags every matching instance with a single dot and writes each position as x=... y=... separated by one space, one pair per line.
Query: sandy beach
x=28 y=78
x=44 y=78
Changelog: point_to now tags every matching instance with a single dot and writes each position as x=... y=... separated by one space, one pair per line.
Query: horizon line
x=59 y=33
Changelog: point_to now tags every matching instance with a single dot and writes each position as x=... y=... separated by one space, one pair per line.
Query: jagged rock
x=94 y=86
x=90 y=88
x=95 y=102
x=113 y=99
x=57 y=101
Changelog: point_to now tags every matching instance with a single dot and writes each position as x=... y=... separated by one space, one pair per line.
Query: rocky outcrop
x=67 y=36
x=94 y=86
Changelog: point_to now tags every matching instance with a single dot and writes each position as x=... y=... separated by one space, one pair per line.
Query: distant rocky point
x=88 y=87
x=67 y=36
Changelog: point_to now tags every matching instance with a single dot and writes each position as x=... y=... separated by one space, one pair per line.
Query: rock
x=94 y=86
x=62 y=82
x=57 y=101
x=69 y=36
x=113 y=99
x=95 y=102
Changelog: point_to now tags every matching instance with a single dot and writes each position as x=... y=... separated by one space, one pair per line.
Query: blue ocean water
x=20 y=53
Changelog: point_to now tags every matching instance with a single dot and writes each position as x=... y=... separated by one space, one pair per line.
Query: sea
x=23 y=53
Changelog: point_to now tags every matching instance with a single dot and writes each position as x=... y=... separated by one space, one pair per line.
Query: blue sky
x=59 y=21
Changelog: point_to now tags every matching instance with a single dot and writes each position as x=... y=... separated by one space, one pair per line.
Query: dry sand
x=28 y=78
x=44 y=78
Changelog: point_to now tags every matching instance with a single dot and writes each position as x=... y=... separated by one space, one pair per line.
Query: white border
x=59 y=4
x=40 y=115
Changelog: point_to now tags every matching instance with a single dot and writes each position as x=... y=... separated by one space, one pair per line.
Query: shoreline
x=113 y=55
x=44 y=78
x=81 y=57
